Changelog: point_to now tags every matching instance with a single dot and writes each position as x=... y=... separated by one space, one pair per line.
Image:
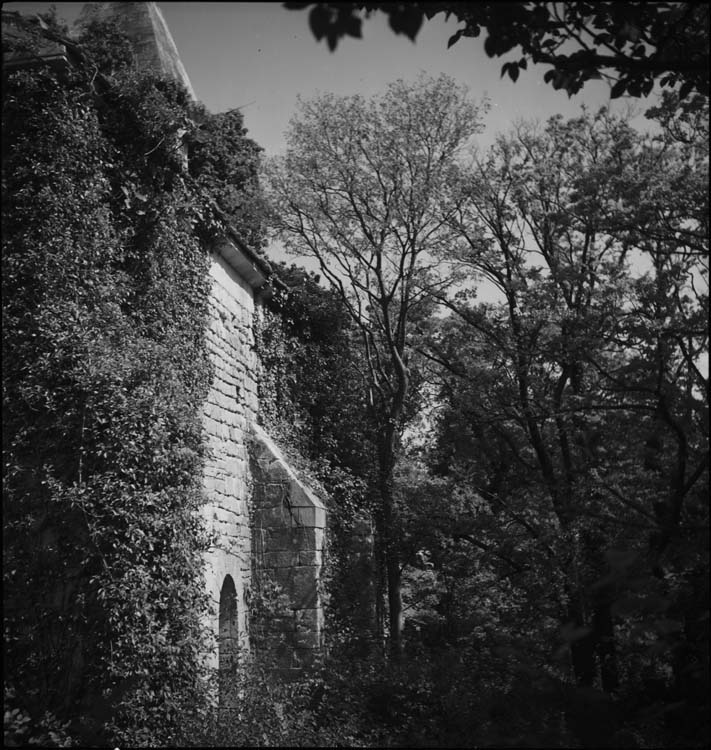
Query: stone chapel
x=269 y=525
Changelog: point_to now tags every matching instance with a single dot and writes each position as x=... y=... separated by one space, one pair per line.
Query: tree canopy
x=547 y=508
x=364 y=189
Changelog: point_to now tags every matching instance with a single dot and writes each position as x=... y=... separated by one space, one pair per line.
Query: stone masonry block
x=310 y=557
x=310 y=539
x=278 y=539
x=280 y=559
x=304 y=591
x=273 y=517
x=303 y=656
x=275 y=493
x=308 y=619
x=288 y=536
x=313 y=517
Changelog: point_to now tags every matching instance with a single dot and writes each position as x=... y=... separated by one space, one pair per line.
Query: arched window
x=228 y=643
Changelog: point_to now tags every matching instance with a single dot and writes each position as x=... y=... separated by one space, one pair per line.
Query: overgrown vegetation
x=549 y=493
x=105 y=295
x=549 y=476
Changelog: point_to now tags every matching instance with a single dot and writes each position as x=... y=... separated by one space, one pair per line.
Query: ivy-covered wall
x=129 y=384
x=129 y=400
x=105 y=293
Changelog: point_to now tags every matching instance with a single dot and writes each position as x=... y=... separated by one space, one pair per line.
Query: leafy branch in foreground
x=633 y=45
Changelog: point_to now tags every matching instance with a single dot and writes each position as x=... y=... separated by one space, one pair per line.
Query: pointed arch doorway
x=228 y=644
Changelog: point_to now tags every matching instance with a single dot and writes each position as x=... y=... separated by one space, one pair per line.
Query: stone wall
x=288 y=541
x=230 y=409
x=268 y=526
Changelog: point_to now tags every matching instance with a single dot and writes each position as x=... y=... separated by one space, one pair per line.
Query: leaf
x=319 y=19
x=353 y=26
x=560 y=80
x=618 y=89
x=407 y=20
x=603 y=38
x=627 y=605
x=666 y=626
x=620 y=558
x=540 y=15
x=630 y=31
x=455 y=38
x=490 y=46
x=686 y=89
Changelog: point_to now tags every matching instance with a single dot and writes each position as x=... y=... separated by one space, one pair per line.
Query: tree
x=364 y=189
x=576 y=405
x=631 y=44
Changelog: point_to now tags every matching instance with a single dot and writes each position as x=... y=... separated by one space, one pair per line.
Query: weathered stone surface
x=313 y=517
x=310 y=557
x=289 y=525
x=226 y=416
x=309 y=624
x=304 y=591
x=311 y=539
x=280 y=559
x=146 y=28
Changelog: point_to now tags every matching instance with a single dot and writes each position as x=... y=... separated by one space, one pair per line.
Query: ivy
x=105 y=300
x=312 y=404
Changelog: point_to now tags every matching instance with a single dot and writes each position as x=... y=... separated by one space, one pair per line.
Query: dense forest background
x=499 y=377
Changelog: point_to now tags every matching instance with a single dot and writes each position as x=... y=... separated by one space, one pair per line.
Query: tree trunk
x=380 y=581
x=392 y=564
x=395 y=615
x=583 y=656
x=389 y=538
x=604 y=632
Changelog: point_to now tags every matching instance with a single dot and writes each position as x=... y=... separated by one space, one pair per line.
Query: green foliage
x=224 y=162
x=632 y=44
x=366 y=189
x=109 y=51
x=552 y=537
x=311 y=400
x=550 y=598
x=20 y=730
x=105 y=294
x=309 y=353
x=573 y=462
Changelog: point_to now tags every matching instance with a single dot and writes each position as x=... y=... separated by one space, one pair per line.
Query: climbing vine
x=105 y=295
x=311 y=402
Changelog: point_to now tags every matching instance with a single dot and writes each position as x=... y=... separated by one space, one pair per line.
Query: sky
x=260 y=56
